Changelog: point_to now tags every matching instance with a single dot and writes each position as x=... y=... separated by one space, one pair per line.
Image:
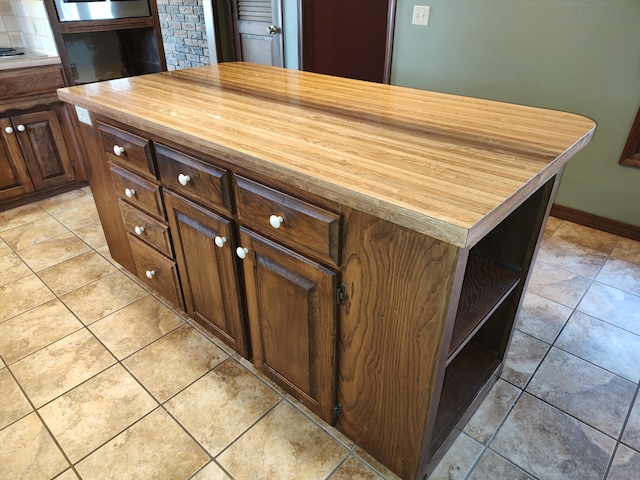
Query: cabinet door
x=207 y=271
x=292 y=317
x=14 y=176
x=44 y=148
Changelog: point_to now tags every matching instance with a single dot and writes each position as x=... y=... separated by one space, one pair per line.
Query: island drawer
x=137 y=191
x=294 y=222
x=157 y=271
x=127 y=149
x=146 y=228
x=194 y=178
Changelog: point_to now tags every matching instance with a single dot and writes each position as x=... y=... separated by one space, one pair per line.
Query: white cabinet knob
x=150 y=274
x=139 y=230
x=8 y=130
x=21 y=128
x=184 y=179
x=242 y=252
x=129 y=192
x=276 y=221
x=220 y=241
x=118 y=150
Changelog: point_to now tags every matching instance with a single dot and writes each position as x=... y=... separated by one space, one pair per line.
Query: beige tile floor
x=100 y=379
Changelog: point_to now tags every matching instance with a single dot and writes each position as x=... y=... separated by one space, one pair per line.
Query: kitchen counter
x=447 y=166
x=30 y=58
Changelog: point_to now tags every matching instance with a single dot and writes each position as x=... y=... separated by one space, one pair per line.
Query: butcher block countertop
x=448 y=166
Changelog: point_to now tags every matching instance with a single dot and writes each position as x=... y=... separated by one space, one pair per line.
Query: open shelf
x=486 y=285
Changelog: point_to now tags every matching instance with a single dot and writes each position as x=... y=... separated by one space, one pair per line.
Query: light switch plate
x=83 y=115
x=420 y=15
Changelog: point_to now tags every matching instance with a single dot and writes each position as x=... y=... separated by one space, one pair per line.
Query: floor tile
x=29 y=452
x=68 y=475
x=579 y=388
x=602 y=344
x=80 y=216
x=572 y=257
x=4 y=248
x=493 y=467
x=14 y=404
x=76 y=272
x=103 y=297
x=37 y=328
x=587 y=237
x=35 y=232
x=552 y=225
x=92 y=235
x=88 y=416
x=21 y=215
x=135 y=326
x=621 y=274
x=493 y=410
x=550 y=444
x=229 y=397
x=12 y=268
x=626 y=464
x=631 y=435
x=58 y=368
x=153 y=448
x=542 y=318
x=52 y=251
x=286 y=445
x=354 y=469
x=556 y=284
x=65 y=201
x=179 y=358
x=628 y=250
x=458 y=460
x=211 y=472
x=524 y=356
x=22 y=295
x=613 y=306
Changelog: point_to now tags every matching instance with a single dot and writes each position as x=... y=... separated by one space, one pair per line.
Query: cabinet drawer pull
x=129 y=192
x=184 y=179
x=8 y=130
x=220 y=241
x=150 y=274
x=118 y=150
x=139 y=230
x=276 y=221
x=242 y=252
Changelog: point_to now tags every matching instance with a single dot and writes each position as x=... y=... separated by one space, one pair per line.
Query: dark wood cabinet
x=14 y=176
x=292 y=310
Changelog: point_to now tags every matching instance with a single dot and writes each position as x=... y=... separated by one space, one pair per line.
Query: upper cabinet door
x=292 y=318
x=44 y=148
x=258 y=27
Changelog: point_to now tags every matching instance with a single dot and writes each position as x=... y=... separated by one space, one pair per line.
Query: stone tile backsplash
x=24 y=23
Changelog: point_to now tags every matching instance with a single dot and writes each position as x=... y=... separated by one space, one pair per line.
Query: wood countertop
x=448 y=166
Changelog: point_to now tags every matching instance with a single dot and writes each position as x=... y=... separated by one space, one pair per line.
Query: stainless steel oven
x=79 y=10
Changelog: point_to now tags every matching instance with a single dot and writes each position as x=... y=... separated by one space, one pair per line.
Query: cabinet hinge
x=337 y=411
x=341 y=296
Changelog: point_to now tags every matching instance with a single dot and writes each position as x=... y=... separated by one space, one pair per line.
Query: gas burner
x=9 y=52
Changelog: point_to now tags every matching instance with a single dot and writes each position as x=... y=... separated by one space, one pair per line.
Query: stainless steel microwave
x=78 y=10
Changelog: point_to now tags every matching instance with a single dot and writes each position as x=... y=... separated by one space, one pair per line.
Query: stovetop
x=9 y=52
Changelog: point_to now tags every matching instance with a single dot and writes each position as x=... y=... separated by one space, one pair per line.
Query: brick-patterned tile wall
x=183 y=33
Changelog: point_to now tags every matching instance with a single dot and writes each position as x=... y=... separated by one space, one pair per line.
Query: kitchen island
x=366 y=246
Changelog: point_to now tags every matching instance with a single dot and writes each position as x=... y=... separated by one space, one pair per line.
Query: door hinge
x=341 y=296
x=337 y=411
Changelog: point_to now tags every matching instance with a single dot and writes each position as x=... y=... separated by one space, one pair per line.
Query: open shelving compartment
x=494 y=281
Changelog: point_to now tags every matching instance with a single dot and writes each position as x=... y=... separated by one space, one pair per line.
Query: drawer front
x=194 y=178
x=157 y=271
x=298 y=224
x=146 y=228
x=127 y=149
x=138 y=191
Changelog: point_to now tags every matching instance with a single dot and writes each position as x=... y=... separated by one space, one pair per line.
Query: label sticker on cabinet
x=83 y=115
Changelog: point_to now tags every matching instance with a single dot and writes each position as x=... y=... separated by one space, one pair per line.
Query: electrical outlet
x=420 y=15
x=83 y=115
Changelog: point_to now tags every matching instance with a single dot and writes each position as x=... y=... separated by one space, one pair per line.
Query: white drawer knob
x=242 y=252
x=129 y=192
x=21 y=128
x=118 y=150
x=276 y=221
x=8 y=130
x=150 y=274
x=139 y=230
x=184 y=179
x=220 y=241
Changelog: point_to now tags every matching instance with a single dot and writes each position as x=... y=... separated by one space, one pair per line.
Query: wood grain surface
x=447 y=166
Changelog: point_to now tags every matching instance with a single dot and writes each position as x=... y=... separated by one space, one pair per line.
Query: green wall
x=579 y=56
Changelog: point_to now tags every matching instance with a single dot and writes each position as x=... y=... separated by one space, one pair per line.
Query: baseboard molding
x=594 y=221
